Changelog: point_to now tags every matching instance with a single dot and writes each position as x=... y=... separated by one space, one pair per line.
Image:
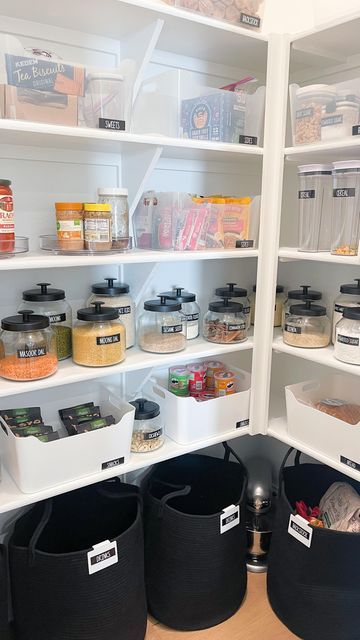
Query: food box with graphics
x=218 y=116
x=42 y=74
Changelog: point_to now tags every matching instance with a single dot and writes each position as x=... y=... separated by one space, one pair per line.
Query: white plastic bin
x=186 y=420
x=318 y=430
x=36 y=465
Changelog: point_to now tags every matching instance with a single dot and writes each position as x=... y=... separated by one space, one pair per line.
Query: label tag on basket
x=229 y=518
x=102 y=556
x=300 y=529
x=350 y=463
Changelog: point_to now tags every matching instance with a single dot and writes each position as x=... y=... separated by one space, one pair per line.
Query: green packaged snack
x=92 y=425
x=73 y=421
x=49 y=437
x=35 y=430
x=23 y=414
x=80 y=409
x=21 y=423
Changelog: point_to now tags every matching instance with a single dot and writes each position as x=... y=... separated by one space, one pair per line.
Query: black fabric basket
x=314 y=591
x=195 y=577
x=54 y=597
x=4 y=623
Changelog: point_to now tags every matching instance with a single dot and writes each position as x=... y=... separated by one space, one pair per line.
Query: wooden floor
x=254 y=621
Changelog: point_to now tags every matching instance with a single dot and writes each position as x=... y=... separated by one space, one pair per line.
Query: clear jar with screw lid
x=296 y=296
x=349 y=297
x=347 y=343
x=98 y=337
x=307 y=326
x=116 y=294
x=225 y=322
x=27 y=347
x=190 y=309
x=232 y=291
x=117 y=198
x=52 y=303
x=162 y=326
x=148 y=431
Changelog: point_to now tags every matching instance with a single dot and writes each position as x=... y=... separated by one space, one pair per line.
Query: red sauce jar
x=7 y=225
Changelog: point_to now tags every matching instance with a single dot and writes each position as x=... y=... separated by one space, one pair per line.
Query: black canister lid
x=163 y=304
x=25 y=321
x=43 y=294
x=231 y=291
x=145 y=409
x=304 y=294
x=110 y=289
x=307 y=309
x=97 y=313
x=180 y=295
x=5 y=183
x=352 y=313
x=225 y=306
x=279 y=288
x=351 y=289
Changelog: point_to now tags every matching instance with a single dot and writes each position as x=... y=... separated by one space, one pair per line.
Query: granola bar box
x=218 y=116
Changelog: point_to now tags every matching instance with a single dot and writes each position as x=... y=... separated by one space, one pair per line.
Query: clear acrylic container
x=315 y=201
x=307 y=326
x=118 y=200
x=162 y=326
x=346 y=208
x=116 y=294
x=349 y=297
x=104 y=98
x=243 y=13
x=347 y=337
x=148 y=431
x=338 y=119
x=21 y=245
x=98 y=337
x=189 y=308
x=232 y=291
x=296 y=296
x=307 y=104
x=225 y=323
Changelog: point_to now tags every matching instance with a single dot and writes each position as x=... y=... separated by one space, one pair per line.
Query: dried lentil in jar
x=70 y=225
x=98 y=337
x=98 y=227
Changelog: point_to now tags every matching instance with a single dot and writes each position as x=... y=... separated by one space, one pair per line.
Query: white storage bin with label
x=36 y=465
x=186 y=420
x=335 y=428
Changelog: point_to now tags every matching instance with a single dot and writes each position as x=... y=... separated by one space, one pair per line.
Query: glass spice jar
x=349 y=297
x=97 y=227
x=307 y=326
x=7 y=226
x=189 y=307
x=296 y=296
x=118 y=201
x=70 y=225
x=225 y=322
x=232 y=291
x=27 y=347
x=162 y=326
x=98 y=337
x=347 y=342
x=148 y=432
x=52 y=303
x=117 y=295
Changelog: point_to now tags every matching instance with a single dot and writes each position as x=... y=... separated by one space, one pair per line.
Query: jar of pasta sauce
x=7 y=225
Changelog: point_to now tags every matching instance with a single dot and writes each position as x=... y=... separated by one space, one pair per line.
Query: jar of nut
x=225 y=322
x=148 y=432
x=309 y=104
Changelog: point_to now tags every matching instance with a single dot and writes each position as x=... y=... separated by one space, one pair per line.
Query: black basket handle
x=282 y=467
x=181 y=491
x=39 y=529
x=229 y=451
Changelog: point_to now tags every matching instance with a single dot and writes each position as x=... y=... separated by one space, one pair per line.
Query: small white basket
x=36 y=465
x=187 y=420
x=318 y=430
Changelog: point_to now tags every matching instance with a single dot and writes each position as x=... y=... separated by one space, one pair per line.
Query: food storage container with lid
x=232 y=291
x=349 y=297
x=104 y=99
x=118 y=200
x=162 y=326
x=225 y=322
x=98 y=336
x=347 y=336
x=27 y=347
x=52 y=303
x=189 y=307
x=315 y=202
x=70 y=225
x=299 y=295
x=7 y=224
x=97 y=227
x=338 y=119
x=307 y=108
x=148 y=431
x=307 y=326
x=279 y=305
x=116 y=294
x=346 y=208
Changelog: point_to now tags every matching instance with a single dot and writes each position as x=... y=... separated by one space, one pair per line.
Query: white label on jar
x=102 y=340
x=344 y=193
x=102 y=556
x=192 y=317
x=153 y=435
x=306 y=195
x=305 y=113
x=124 y=310
x=60 y=317
x=71 y=225
x=339 y=308
x=7 y=224
x=246 y=310
x=290 y=329
x=175 y=328
x=236 y=327
x=229 y=518
x=331 y=120
x=349 y=340
x=31 y=353
x=97 y=230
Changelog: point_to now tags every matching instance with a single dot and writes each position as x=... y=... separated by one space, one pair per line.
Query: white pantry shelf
x=12 y=498
x=19 y=132
x=278 y=429
x=324 y=356
x=345 y=149
x=289 y=254
x=136 y=359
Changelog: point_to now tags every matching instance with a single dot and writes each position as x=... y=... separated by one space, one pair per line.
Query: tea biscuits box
x=218 y=116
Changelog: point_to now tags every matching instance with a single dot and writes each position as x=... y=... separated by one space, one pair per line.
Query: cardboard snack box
x=38 y=106
x=219 y=116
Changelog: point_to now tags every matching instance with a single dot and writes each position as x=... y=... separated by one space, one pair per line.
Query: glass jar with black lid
x=190 y=309
x=98 y=336
x=162 y=326
x=148 y=430
x=307 y=326
x=225 y=323
x=232 y=291
x=349 y=297
x=116 y=294
x=52 y=303
x=296 y=296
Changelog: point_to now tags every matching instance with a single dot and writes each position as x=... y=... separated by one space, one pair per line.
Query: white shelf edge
x=12 y=498
x=45 y=260
x=336 y=21
x=322 y=147
x=278 y=429
x=136 y=360
x=324 y=356
x=292 y=254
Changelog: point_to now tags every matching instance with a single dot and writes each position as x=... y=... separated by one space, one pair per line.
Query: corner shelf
x=292 y=254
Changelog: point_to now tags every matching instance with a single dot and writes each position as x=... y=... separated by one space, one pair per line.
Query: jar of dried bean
x=148 y=431
x=27 y=347
x=225 y=322
x=98 y=337
x=307 y=326
x=162 y=326
x=116 y=294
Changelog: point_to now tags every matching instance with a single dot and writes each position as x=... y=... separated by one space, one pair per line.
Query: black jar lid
x=98 y=313
x=43 y=294
x=279 y=288
x=231 y=291
x=351 y=289
x=163 y=304
x=25 y=321
x=225 y=306
x=304 y=294
x=307 y=309
x=352 y=313
x=180 y=295
x=5 y=183
x=145 y=409
x=110 y=289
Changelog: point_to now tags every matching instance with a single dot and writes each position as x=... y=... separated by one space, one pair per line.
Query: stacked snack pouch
x=202 y=380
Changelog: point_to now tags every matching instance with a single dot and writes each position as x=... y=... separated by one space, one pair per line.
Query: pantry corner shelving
x=343 y=149
x=291 y=254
